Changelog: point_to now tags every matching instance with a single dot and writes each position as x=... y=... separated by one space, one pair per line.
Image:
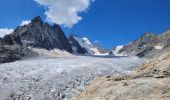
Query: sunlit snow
x=54 y=78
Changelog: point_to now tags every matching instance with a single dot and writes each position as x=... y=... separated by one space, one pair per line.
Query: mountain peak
x=38 y=34
x=36 y=19
x=147 y=34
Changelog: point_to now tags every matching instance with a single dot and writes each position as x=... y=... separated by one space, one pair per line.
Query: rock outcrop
x=10 y=53
x=12 y=49
x=149 y=82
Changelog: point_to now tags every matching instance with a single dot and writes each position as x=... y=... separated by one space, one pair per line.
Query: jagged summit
x=35 y=35
x=38 y=34
x=36 y=19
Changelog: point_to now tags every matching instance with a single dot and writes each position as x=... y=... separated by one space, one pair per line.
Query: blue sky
x=111 y=22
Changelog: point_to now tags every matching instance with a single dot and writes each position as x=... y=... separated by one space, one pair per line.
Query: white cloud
x=65 y=12
x=5 y=31
x=96 y=41
x=25 y=22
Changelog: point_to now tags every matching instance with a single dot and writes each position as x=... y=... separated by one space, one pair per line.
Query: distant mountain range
x=38 y=38
x=148 y=45
x=39 y=35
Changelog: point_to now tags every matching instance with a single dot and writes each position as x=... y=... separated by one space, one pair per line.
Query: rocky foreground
x=151 y=81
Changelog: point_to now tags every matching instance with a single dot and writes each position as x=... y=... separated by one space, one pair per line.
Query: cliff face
x=149 y=82
x=10 y=53
x=12 y=49
x=36 y=34
x=41 y=35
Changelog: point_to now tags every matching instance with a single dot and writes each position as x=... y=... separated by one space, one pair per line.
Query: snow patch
x=87 y=41
x=116 y=50
x=158 y=47
x=25 y=22
x=5 y=31
x=52 y=53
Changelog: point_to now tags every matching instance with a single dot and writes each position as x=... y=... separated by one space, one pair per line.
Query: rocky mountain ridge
x=85 y=46
x=36 y=37
x=36 y=34
x=42 y=35
x=148 y=45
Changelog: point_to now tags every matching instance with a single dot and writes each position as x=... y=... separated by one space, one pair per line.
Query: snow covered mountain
x=42 y=39
x=115 y=51
x=83 y=46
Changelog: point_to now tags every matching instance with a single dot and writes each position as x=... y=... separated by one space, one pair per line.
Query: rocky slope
x=41 y=35
x=149 y=82
x=10 y=53
x=36 y=34
x=84 y=46
x=77 y=48
x=12 y=49
x=148 y=45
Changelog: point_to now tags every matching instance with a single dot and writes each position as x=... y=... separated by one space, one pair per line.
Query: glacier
x=51 y=78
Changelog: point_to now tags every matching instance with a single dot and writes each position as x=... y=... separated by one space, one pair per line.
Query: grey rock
x=145 y=45
x=37 y=35
x=42 y=35
x=10 y=53
x=82 y=46
x=74 y=43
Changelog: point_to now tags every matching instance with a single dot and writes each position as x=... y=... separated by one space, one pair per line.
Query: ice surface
x=57 y=78
x=51 y=53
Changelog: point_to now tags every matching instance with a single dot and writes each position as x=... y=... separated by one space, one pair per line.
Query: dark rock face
x=0 y=39
x=42 y=35
x=10 y=53
x=10 y=40
x=76 y=45
x=36 y=34
x=11 y=49
x=7 y=40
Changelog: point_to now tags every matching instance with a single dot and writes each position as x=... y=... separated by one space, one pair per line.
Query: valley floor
x=58 y=78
